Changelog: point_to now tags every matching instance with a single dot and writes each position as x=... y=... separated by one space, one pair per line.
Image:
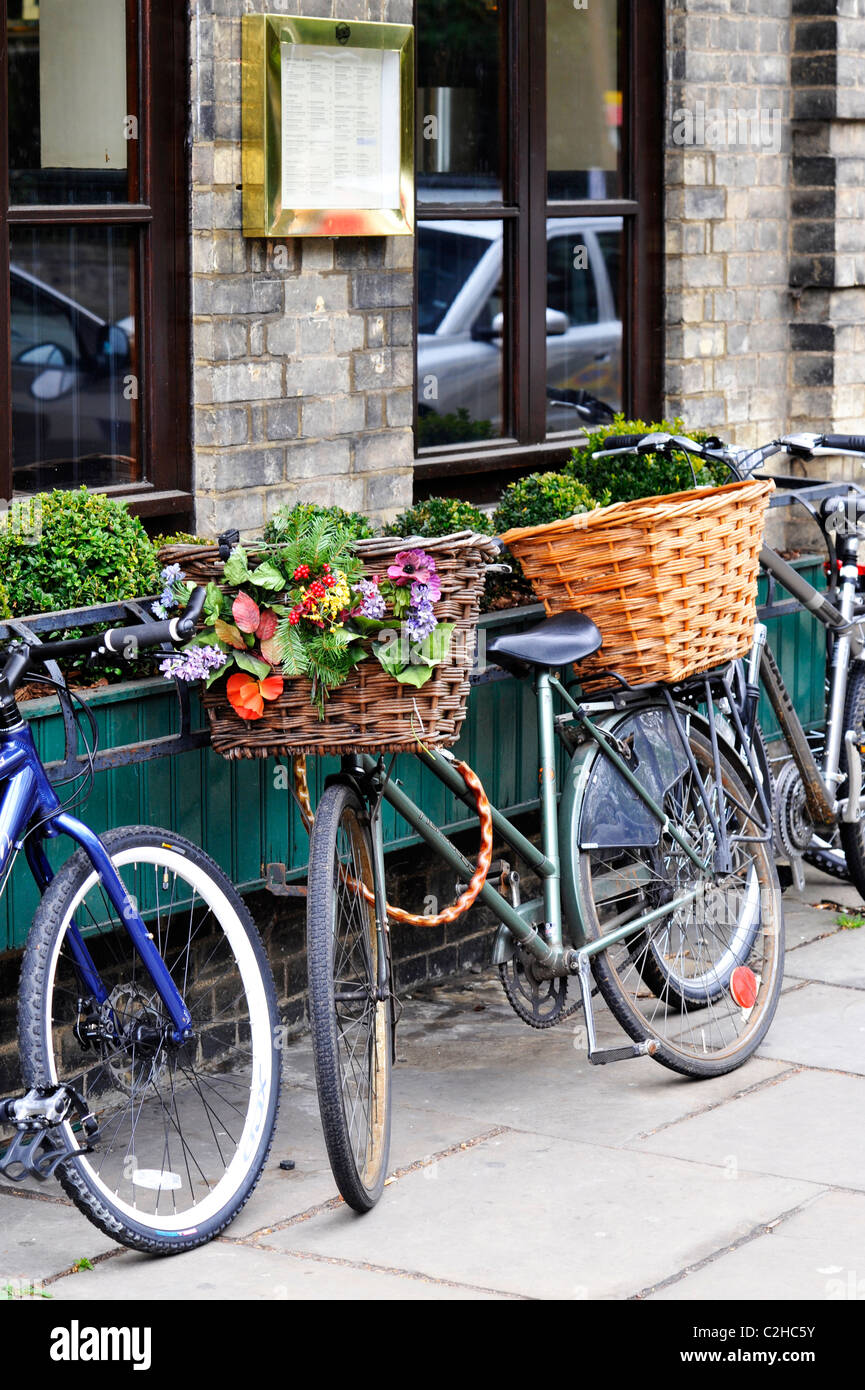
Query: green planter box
x=244 y=815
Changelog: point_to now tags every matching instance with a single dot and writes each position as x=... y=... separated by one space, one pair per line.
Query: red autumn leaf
x=267 y=625
x=271 y=687
x=246 y=613
x=269 y=651
x=227 y=632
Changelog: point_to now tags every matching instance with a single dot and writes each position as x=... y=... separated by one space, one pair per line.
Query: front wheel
x=184 y=1128
x=702 y=980
x=348 y=998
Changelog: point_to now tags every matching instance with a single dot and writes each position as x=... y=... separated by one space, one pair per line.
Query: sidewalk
x=519 y=1171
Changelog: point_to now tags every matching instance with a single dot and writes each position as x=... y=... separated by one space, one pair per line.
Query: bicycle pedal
x=646 y=1048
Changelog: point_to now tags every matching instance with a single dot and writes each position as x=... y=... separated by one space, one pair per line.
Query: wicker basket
x=670 y=581
x=372 y=712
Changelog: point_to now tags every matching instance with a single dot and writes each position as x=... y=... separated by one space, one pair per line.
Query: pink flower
x=415 y=566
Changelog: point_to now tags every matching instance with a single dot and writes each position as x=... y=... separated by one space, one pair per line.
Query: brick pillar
x=303 y=348
x=727 y=215
x=827 y=248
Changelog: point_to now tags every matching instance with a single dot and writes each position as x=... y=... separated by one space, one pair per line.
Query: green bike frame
x=537 y=926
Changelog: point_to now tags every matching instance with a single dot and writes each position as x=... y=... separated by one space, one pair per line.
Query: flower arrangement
x=305 y=607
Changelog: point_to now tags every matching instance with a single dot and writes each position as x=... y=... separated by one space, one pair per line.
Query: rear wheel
x=350 y=1011
x=701 y=981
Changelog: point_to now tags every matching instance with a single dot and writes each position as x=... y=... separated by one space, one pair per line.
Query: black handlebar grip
x=623 y=441
x=856 y=442
x=192 y=612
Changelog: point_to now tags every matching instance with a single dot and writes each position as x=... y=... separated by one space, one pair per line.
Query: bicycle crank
x=538 y=1002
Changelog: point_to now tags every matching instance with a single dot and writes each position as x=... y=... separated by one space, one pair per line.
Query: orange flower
x=247 y=695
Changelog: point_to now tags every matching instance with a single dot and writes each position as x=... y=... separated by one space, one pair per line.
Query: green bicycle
x=658 y=887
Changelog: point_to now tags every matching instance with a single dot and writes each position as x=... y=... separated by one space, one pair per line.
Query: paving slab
x=810 y=1125
x=819 y=1025
x=237 y=1272
x=555 y=1091
x=418 y=1132
x=41 y=1238
x=803 y=924
x=835 y=960
x=550 y=1219
x=815 y=1255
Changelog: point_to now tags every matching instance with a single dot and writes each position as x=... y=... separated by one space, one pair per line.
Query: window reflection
x=460 y=100
x=461 y=331
x=71 y=123
x=584 y=100
x=75 y=377
x=584 y=327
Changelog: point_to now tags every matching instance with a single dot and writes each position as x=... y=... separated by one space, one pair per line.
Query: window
x=539 y=149
x=93 y=385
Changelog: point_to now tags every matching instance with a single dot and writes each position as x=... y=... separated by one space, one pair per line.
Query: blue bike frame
x=28 y=798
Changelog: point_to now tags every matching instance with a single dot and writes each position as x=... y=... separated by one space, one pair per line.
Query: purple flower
x=171 y=575
x=195 y=664
x=372 y=604
x=415 y=566
x=421 y=621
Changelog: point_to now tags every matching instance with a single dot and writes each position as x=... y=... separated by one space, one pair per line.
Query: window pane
x=75 y=377
x=584 y=100
x=584 y=327
x=460 y=100
x=462 y=313
x=69 y=133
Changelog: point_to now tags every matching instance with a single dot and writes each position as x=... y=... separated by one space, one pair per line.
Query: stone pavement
x=519 y=1171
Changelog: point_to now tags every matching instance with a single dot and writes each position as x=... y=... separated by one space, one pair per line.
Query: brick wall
x=766 y=237
x=302 y=348
x=727 y=212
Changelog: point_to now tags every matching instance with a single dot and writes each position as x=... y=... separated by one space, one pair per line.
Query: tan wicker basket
x=372 y=712
x=670 y=581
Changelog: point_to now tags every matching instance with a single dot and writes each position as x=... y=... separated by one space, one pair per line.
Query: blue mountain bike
x=147 y=1017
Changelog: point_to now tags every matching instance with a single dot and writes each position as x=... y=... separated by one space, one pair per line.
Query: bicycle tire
x=195 y=1119
x=351 y=1022
x=696 y=1024
x=852 y=833
x=649 y=962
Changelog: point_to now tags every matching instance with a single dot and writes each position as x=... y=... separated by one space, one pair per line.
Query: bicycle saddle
x=556 y=641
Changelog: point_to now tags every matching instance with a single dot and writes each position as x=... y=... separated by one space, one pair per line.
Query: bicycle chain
x=822 y=860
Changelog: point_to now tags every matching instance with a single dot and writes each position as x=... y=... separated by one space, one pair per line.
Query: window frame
x=158 y=184
x=528 y=211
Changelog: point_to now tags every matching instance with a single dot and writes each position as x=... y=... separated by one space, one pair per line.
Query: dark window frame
x=528 y=210
x=158 y=183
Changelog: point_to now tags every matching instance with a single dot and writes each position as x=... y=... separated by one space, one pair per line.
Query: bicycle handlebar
x=854 y=442
x=116 y=639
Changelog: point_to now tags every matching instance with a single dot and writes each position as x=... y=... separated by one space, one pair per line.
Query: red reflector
x=743 y=987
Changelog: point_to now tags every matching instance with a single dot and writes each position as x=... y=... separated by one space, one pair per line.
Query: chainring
x=792 y=822
x=538 y=1002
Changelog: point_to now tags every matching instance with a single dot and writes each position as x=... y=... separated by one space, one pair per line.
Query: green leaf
x=253 y=664
x=292 y=654
x=267 y=576
x=414 y=675
x=401 y=600
x=212 y=603
x=236 y=567
x=434 y=648
x=215 y=676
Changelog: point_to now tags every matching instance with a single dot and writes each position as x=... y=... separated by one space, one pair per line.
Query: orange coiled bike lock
x=485 y=852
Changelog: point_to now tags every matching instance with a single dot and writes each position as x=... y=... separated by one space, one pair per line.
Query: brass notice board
x=328 y=117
